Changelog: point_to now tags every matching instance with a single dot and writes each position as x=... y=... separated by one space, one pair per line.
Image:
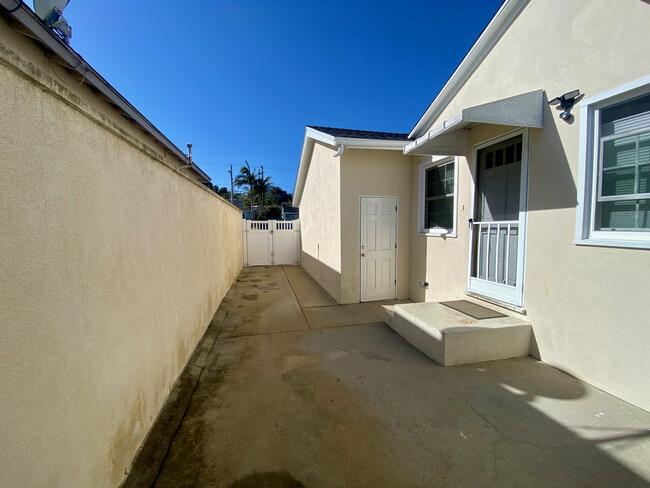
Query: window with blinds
x=623 y=189
x=439 y=197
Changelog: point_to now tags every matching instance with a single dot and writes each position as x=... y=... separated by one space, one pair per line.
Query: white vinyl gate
x=271 y=243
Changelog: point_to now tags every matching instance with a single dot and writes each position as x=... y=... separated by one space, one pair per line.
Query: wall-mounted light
x=566 y=102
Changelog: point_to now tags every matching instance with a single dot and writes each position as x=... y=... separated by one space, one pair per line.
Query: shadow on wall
x=328 y=278
x=551 y=183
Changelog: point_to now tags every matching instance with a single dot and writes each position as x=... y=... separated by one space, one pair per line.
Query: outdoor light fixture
x=566 y=102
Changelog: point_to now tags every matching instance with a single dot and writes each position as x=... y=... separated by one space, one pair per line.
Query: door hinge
x=395 y=208
x=395 y=281
x=396 y=245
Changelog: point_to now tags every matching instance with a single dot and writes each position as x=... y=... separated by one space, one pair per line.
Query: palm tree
x=246 y=180
x=262 y=187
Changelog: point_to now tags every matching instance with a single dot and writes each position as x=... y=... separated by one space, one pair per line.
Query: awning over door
x=526 y=110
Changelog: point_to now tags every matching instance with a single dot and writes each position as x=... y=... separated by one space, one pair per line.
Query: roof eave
x=355 y=143
x=76 y=62
x=303 y=167
x=483 y=45
x=312 y=135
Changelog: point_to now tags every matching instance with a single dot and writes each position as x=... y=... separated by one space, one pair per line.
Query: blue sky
x=241 y=79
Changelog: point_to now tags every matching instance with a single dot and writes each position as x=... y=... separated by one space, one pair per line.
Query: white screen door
x=498 y=232
x=378 y=247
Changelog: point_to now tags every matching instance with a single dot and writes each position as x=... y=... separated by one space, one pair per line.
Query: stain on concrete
x=252 y=296
x=271 y=286
x=127 y=437
x=255 y=280
x=274 y=479
x=358 y=406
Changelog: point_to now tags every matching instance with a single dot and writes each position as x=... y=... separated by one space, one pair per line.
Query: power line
x=228 y=164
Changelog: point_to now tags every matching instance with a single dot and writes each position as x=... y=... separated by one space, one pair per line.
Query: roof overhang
x=451 y=138
x=472 y=60
x=75 y=62
x=354 y=142
x=312 y=135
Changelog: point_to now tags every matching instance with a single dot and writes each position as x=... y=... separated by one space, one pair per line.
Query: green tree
x=277 y=196
x=246 y=180
x=273 y=212
x=223 y=192
x=262 y=187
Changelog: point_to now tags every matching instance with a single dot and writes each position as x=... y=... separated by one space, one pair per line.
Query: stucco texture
x=113 y=265
x=440 y=261
x=585 y=304
x=372 y=173
x=320 y=220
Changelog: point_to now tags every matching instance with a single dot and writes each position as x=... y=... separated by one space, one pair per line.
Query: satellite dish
x=51 y=12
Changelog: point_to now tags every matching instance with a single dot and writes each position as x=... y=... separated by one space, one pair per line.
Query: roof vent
x=51 y=12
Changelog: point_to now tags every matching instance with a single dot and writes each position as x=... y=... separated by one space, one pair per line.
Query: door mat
x=473 y=310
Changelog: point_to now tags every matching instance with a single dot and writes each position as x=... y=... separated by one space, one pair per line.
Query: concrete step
x=450 y=337
x=388 y=317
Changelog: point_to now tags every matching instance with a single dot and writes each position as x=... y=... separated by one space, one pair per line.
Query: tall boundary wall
x=113 y=263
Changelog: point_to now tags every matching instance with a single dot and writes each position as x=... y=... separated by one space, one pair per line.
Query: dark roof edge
x=361 y=134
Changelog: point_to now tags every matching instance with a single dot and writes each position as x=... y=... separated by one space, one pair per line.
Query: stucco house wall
x=320 y=220
x=369 y=172
x=113 y=264
x=440 y=261
x=585 y=303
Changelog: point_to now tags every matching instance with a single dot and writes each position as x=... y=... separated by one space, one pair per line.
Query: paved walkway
x=288 y=389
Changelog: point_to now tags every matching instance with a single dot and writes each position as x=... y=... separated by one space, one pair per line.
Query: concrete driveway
x=288 y=389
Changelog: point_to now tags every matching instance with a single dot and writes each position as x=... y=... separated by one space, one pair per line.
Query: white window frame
x=586 y=235
x=435 y=231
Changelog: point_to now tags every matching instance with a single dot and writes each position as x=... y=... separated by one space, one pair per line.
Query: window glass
x=439 y=197
x=624 y=166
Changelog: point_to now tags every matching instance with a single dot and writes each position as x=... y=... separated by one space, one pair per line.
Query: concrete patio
x=289 y=389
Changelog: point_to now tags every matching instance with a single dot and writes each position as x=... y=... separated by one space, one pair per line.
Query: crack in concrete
x=511 y=439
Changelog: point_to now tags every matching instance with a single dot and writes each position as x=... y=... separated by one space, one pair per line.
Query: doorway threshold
x=499 y=303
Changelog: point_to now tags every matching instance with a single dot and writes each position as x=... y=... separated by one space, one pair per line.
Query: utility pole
x=230 y=171
x=262 y=202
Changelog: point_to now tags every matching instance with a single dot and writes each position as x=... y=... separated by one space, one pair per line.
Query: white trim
x=354 y=142
x=611 y=243
x=639 y=84
x=312 y=135
x=396 y=250
x=515 y=299
x=371 y=143
x=585 y=235
x=303 y=168
x=481 y=48
x=320 y=136
x=423 y=167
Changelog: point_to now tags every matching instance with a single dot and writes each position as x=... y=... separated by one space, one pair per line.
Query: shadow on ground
x=357 y=406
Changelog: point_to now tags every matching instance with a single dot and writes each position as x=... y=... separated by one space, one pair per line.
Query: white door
x=378 y=248
x=498 y=246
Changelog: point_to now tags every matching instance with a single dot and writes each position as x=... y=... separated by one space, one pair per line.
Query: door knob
x=363 y=247
x=363 y=254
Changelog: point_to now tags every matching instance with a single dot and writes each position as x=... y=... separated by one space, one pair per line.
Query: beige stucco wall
x=373 y=173
x=320 y=220
x=438 y=260
x=113 y=265
x=586 y=304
